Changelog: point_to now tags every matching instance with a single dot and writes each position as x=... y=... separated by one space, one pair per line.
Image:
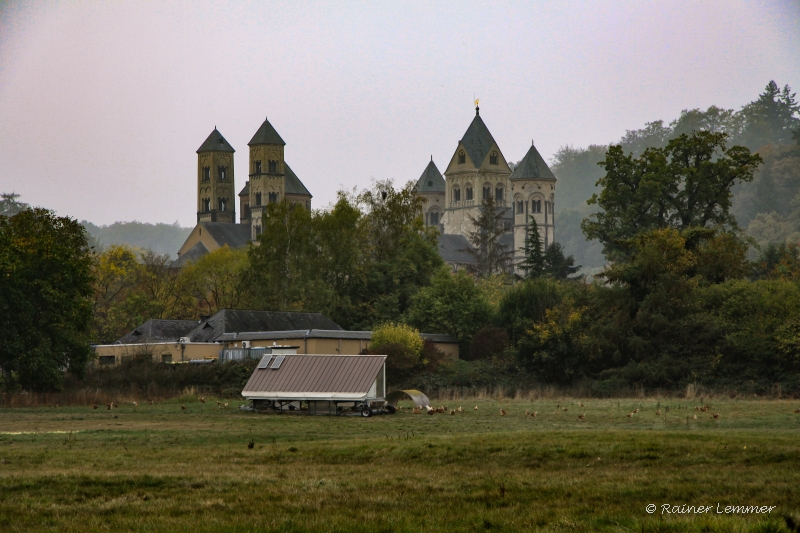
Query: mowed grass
x=163 y=468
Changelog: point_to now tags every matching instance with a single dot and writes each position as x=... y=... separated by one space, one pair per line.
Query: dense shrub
x=488 y=342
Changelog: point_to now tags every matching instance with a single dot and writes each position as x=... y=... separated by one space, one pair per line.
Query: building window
x=456 y=194
x=520 y=207
x=536 y=206
x=257 y=165
x=493 y=158
x=434 y=218
x=258 y=230
x=469 y=193
x=206 y=173
x=430 y=183
x=462 y=157
x=222 y=172
x=487 y=192
x=222 y=202
x=206 y=204
x=258 y=198
x=107 y=360
x=498 y=194
x=166 y=357
x=273 y=167
x=273 y=198
x=308 y=205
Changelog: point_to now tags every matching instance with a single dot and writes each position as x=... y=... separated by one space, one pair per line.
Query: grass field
x=163 y=468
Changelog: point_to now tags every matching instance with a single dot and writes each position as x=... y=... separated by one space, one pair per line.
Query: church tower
x=267 y=172
x=533 y=186
x=477 y=170
x=216 y=201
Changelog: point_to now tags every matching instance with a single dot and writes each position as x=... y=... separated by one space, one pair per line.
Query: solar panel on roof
x=276 y=364
x=264 y=362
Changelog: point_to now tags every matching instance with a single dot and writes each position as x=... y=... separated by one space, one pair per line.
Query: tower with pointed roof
x=271 y=179
x=215 y=186
x=431 y=186
x=533 y=187
x=476 y=170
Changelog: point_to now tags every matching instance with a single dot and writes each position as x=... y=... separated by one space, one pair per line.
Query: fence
x=242 y=354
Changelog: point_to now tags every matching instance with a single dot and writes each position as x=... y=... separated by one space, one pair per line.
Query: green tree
x=215 y=280
x=772 y=118
x=686 y=184
x=452 y=304
x=526 y=303
x=115 y=274
x=490 y=255
x=45 y=309
x=556 y=264
x=533 y=264
x=9 y=205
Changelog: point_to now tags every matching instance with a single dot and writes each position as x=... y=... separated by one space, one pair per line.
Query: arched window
x=257 y=167
x=469 y=193
x=433 y=218
x=493 y=158
x=206 y=204
x=258 y=198
x=222 y=202
x=462 y=157
x=487 y=192
x=536 y=206
x=222 y=172
x=206 y=173
x=520 y=207
x=498 y=194
x=273 y=198
x=456 y=194
x=273 y=167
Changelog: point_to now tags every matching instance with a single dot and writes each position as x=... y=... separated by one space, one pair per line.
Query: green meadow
x=204 y=468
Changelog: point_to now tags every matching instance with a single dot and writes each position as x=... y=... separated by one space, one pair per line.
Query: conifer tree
x=491 y=256
x=533 y=265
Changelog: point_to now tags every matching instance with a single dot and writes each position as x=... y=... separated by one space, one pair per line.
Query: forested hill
x=161 y=238
x=768 y=208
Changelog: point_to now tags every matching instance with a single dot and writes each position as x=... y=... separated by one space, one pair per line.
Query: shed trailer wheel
x=366 y=412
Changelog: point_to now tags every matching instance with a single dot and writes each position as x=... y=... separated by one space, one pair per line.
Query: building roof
x=431 y=179
x=246 y=189
x=477 y=141
x=157 y=330
x=316 y=376
x=238 y=320
x=224 y=233
x=316 y=334
x=293 y=183
x=215 y=143
x=532 y=166
x=192 y=254
x=266 y=134
x=454 y=248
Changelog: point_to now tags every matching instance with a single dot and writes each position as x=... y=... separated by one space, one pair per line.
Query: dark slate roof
x=234 y=235
x=237 y=320
x=215 y=143
x=532 y=166
x=246 y=189
x=192 y=254
x=317 y=334
x=453 y=249
x=477 y=140
x=431 y=179
x=293 y=183
x=266 y=134
x=157 y=330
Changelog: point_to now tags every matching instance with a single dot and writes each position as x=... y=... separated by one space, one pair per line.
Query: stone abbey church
x=477 y=170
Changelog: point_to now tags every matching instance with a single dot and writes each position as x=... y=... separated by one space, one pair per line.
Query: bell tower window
x=222 y=202
x=273 y=198
x=206 y=205
x=462 y=157
x=258 y=198
x=206 y=173
x=273 y=167
x=257 y=167
x=493 y=158
x=222 y=172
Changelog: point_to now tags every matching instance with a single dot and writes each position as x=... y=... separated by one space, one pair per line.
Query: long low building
x=321 y=341
x=181 y=341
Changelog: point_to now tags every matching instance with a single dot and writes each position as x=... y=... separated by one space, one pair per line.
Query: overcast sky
x=103 y=104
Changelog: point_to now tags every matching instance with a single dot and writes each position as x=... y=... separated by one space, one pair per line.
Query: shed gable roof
x=238 y=320
x=318 y=374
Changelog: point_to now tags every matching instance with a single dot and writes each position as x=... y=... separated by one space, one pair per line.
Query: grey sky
x=103 y=104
